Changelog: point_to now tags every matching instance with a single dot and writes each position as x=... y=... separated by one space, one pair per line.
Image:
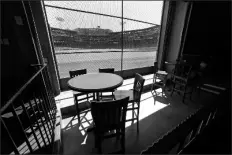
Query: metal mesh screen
x=139 y=46
x=89 y=35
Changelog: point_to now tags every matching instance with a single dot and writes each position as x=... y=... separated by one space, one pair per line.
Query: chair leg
x=138 y=118
x=162 y=91
x=138 y=125
x=98 y=143
x=79 y=118
x=152 y=87
x=184 y=94
x=87 y=96
x=99 y=148
x=93 y=96
x=183 y=98
x=123 y=142
x=78 y=113
x=196 y=89
x=133 y=113
x=173 y=89
x=191 y=93
x=199 y=89
x=118 y=134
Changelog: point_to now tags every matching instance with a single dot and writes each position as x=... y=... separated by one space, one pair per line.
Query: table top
x=95 y=82
x=161 y=72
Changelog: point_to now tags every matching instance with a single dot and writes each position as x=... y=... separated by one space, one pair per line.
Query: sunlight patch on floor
x=149 y=81
x=155 y=113
x=145 y=96
x=64 y=94
x=88 y=116
x=85 y=125
x=149 y=76
x=158 y=92
x=67 y=122
x=66 y=102
x=75 y=121
x=148 y=106
x=126 y=87
x=24 y=149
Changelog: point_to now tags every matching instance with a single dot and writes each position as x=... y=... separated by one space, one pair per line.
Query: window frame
x=130 y=72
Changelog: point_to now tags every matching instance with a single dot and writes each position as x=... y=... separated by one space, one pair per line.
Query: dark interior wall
x=175 y=32
x=17 y=50
x=41 y=27
x=209 y=34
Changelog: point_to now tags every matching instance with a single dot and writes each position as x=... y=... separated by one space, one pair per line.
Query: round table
x=95 y=82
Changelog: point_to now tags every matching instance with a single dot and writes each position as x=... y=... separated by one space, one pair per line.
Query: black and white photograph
x=115 y=77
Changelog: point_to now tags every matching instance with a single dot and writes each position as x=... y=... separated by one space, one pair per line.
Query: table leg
x=92 y=127
x=93 y=96
x=97 y=96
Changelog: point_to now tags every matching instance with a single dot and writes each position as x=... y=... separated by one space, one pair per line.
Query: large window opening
x=104 y=34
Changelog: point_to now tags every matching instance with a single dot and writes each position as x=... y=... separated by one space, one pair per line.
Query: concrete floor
x=158 y=115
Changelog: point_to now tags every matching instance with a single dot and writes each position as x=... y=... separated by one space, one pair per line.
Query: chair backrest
x=74 y=73
x=138 y=86
x=109 y=115
x=155 y=67
x=182 y=69
x=106 y=70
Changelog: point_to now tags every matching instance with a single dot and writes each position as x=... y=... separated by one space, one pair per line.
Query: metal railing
x=28 y=118
x=184 y=133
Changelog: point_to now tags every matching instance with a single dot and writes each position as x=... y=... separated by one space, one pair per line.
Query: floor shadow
x=158 y=97
x=151 y=127
x=68 y=111
x=44 y=150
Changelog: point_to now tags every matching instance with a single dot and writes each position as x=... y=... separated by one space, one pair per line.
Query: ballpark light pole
x=123 y=23
x=60 y=20
x=123 y=28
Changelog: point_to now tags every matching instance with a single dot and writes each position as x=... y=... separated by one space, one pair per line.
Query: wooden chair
x=135 y=95
x=181 y=79
x=106 y=70
x=83 y=106
x=200 y=75
x=102 y=95
x=109 y=116
x=159 y=78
